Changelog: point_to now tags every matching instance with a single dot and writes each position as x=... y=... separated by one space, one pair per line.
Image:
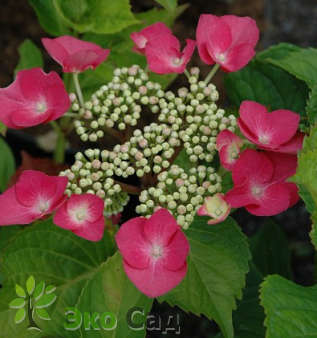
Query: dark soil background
x=292 y=21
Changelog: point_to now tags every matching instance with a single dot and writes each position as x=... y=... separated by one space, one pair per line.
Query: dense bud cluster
x=189 y=120
x=180 y=192
x=117 y=104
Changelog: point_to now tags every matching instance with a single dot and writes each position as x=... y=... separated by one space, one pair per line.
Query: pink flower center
x=79 y=214
x=41 y=107
x=156 y=251
x=42 y=206
x=142 y=41
x=264 y=139
x=177 y=62
x=221 y=57
x=257 y=191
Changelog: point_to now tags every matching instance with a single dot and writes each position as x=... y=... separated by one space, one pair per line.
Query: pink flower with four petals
x=154 y=252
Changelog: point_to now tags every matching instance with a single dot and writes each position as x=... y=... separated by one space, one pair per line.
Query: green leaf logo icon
x=32 y=303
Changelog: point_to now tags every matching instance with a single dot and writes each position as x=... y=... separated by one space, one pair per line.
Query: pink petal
x=238 y=57
x=292 y=146
x=12 y=211
x=34 y=185
x=132 y=243
x=275 y=200
x=243 y=29
x=176 y=252
x=293 y=191
x=92 y=203
x=73 y=54
x=205 y=26
x=240 y=196
x=161 y=227
x=202 y=211
x=252 y=166
x=163 y=54
x=228 y=144
x=219 y=38
x=269 y=130
x=284 y=165
x=91 y=227
x=155 y=280
x=147 y=34
x=92 y=231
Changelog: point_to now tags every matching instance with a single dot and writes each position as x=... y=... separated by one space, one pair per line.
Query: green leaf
x=85 y=275
x=268 y=85
x=301 y=63
x=50 y=288
x=311 y=107
x=30 y=56
x=96 y=16
x=49 y=16
x=248 y=319
x=17 y=303
x=20 y=291
x=277 y=52
x=217 y=266
x=291 y=310
x=20 y=316
x=39 y=290
x=42 y=313
x=170 y=5
x=45 y=300
x=7 y=164
x=3 y=129
x=270 y=250
x=30 y=285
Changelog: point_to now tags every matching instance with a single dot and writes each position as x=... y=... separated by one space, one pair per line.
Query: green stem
x=186 y=72
x=212 y=73
x=78 y=89
x=59 y=152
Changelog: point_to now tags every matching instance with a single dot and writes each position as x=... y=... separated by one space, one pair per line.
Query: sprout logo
x=31 y=303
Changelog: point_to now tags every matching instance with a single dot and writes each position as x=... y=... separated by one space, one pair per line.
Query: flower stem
x=59 y=152
x=212 y=73
x=78 y=89
x=186 y=72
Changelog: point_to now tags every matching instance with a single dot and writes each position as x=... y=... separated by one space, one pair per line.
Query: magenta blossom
x=141 y=38
x=259 y=183
x=275 y=131
x=154 y=252
x=75 y=55
x=34 y=196
x=216 y=208
x=33 y=98
x=227 y=40
x=228 y=145
x=164 y=56
x=83 y=215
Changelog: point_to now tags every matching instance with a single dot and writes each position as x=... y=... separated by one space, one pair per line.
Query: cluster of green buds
x=118 y=104
x=196 y=116
x=180 y=192
x=189 y=120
